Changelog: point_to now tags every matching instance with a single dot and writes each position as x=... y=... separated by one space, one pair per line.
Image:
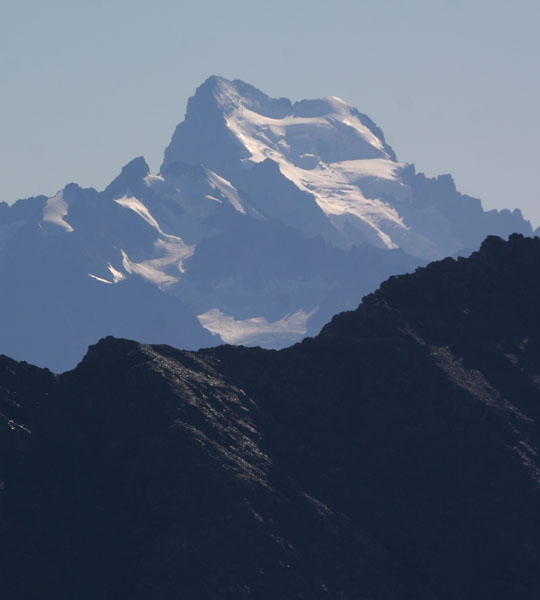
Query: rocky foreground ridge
x=395 y=455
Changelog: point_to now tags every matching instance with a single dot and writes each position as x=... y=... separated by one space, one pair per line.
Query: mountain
x=394 y=456
x=339 y=159
x=266 y=218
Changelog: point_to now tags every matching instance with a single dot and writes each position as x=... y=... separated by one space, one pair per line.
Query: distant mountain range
x=394 y=456
x=266 y=218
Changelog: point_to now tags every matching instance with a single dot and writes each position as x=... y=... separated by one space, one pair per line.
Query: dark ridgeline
x=393 y=456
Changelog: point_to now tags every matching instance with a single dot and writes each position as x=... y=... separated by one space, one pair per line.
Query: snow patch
x=117 y=275
x=99 y=279
x=254 y=330
x=138 y=207
x=334 y=191
x=165 y=270
x=227 y=190
x=55 y=210
x=152 y=179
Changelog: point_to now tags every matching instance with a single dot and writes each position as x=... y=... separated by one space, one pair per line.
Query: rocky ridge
x=395 y=455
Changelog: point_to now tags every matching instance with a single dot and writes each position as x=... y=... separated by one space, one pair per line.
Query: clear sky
x=454 y=84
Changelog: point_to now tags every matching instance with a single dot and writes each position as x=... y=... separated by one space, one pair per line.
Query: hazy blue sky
x=455 y=84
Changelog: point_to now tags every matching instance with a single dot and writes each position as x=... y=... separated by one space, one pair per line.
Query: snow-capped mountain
x=265 y=219
x=339 y=159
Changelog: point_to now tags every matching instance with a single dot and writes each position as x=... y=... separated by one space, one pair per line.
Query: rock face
x=267 y=218
x=395 y=455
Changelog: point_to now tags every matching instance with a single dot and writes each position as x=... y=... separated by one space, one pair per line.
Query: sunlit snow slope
x=334 y=154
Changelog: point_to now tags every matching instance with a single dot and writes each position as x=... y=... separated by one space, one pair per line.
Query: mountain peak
x=230 y=95
x=231 y=121
x=130 y=177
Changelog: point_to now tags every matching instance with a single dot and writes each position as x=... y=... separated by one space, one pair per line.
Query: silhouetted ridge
x=498 y=271
x=109 y=351
x=394 y=456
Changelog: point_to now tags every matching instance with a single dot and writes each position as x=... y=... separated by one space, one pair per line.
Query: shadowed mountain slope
x=393 y=456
